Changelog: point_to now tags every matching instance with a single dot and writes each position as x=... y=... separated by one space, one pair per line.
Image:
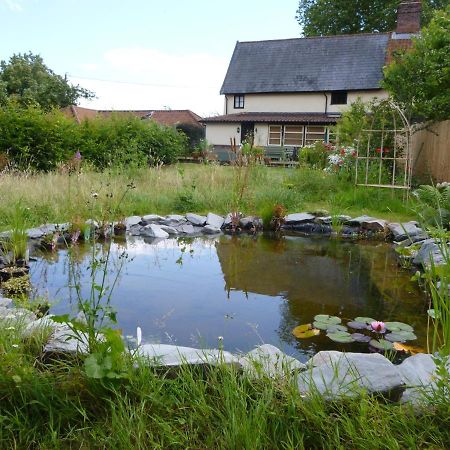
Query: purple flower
x=379 y=327
x=77 y=155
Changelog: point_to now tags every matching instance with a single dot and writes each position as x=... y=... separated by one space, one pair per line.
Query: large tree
x=419 y=79
x=329 y=17
x=27 y=80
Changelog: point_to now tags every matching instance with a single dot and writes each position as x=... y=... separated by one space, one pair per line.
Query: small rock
x=427 y=252
x=335 y=374
x=209 y=229
x=135 y=230
x=168 y=229
x=149 y=218
x=63 y=340
x=214 y=220
x=187 y=228
x=325 y=220
x=270 y=361
x=173 y=220
x=402 y=231
x=154 y=231
x=5 y=302
x=132 y=220
x=292 y=219
x=195 y=219
x=173 y=355
x=92 y=223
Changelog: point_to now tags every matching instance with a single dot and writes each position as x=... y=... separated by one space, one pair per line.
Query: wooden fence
x=431 y=153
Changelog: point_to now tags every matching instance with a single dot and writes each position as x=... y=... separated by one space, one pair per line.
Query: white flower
x=14 y=346
x=138 y=336
x=94 y=194
x=220 y=338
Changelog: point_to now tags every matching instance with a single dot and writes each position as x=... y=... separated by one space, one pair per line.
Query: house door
x=247 y=132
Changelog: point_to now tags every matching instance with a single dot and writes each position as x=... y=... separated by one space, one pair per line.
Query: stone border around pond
x=331 y=374
x=153 y=226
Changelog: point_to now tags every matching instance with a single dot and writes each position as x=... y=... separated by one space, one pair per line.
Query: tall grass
x=57 y=197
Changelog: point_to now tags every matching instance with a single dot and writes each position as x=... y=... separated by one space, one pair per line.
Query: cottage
x=284 y=94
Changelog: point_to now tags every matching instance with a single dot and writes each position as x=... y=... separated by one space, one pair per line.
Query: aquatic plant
x=15 y=247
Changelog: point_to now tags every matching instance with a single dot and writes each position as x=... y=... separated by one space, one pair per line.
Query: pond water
x=249 y=290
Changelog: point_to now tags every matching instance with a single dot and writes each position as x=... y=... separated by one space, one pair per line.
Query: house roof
x=266 y=117
x=328 y=63
x=163 y=117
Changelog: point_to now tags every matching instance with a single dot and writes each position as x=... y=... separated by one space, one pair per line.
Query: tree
x=330 y=17
x=27 y=80
x=419 y=79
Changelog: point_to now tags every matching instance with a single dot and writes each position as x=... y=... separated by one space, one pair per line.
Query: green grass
x=52 y=405
x=55 y=197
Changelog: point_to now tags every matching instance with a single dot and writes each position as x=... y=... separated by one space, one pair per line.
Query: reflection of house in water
x=322 y=273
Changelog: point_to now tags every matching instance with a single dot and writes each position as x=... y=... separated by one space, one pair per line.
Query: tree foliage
x=330 y=17
x=25 y=79
x=419 y=79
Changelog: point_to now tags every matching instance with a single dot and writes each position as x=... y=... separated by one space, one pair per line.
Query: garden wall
x=431 y=152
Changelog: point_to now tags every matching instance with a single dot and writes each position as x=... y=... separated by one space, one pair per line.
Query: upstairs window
x=238 y=101
x=338 y=98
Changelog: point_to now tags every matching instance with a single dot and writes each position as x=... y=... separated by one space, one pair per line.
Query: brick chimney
x=408 y=16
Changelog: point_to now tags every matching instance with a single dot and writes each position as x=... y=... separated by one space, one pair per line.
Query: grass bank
x=56 y=197
x=52 y=405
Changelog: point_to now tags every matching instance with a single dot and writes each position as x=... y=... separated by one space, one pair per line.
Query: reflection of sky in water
x=248 y=290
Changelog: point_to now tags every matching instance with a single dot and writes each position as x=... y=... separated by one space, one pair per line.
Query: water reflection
x=247 y=289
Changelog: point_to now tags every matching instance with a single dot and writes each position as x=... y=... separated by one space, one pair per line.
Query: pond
x=249 y=289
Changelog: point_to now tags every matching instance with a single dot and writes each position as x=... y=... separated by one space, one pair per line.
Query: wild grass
x=57 y=197
x=52 y=405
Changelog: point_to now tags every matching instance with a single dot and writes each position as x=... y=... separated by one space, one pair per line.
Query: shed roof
x=327 y=63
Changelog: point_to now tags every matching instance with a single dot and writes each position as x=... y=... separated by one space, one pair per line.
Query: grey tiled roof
x=332 y=63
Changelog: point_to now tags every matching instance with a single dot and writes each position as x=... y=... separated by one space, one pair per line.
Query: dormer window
x=339 y=98
x=238 y=102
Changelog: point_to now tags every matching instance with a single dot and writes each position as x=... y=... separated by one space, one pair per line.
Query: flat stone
x=404 y=230
x=152 y=218
x=135 y=230
x=214 y=220
x=35 y=233
x=63 y=340
x=5 y=302
x=268 y=360
x=195 y=219
x=43 y=322
x=132 y=220
x=429 y=251
x=419 y=374
x=325 y=220
x=173 y=220
x=16 y=314
x=209 y=229
x=169 y=229
x=187 y=228
x=335 y=374
x=173 y=355
x=296 y=218
x=154 y=231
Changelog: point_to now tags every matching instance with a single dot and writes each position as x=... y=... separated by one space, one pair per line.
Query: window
x=293 y=135
x=275 y=134
x=339 y=98
x=314 y=133
x=238 y=101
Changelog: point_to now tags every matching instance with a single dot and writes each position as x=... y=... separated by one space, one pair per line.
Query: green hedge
x=33 y=138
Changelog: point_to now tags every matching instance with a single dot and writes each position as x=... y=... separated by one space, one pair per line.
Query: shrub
x=33 y=138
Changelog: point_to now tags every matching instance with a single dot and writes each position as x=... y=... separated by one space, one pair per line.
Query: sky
x=143 y=54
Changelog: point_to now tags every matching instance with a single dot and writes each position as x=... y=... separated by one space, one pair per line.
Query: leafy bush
x=435 y=205
x=33 y=138
x=315 y=155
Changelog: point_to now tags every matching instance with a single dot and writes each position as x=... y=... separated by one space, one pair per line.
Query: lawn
x=60 y=197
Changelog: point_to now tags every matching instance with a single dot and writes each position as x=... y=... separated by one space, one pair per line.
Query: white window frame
x=302 y=134
x=280 y=127
x=322 y=134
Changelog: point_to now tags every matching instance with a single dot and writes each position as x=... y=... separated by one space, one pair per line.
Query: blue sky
x=143 y=54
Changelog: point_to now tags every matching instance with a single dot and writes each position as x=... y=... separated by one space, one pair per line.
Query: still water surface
x=249 y=290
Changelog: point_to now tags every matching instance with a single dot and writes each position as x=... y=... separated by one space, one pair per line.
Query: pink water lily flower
x=379 y=327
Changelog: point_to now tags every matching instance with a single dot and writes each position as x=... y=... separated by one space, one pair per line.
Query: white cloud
x=145 y=78
x=13 y=5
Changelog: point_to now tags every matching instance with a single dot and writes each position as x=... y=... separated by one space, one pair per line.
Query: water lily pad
x=398 y=326
x=382 y=344
x=364 y=319
x=394 y=337
x=321 y=325
x=335 y=328
x=359 y=337
x=305 y=331
x=406 y=335
x=340 y=336
x=357 y=325
x=325 y=318
x=302 y=328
